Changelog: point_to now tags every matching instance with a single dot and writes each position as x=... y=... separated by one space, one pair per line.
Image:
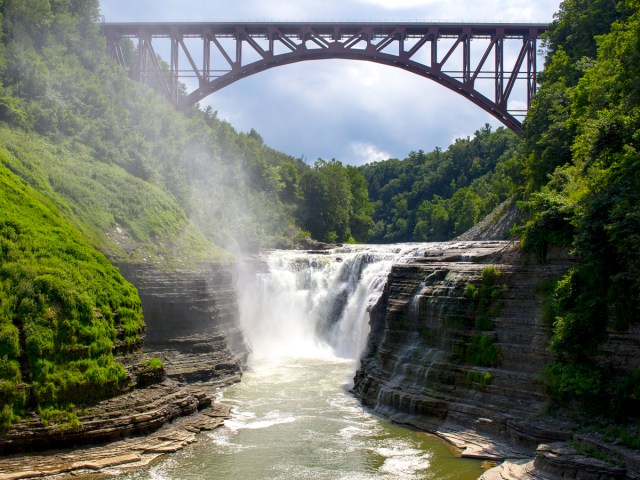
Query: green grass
x=152 y=364
x=63 y=306
x=127 y=218
x=478 y=380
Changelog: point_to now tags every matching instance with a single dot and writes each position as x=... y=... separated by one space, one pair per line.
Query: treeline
x=438 y=195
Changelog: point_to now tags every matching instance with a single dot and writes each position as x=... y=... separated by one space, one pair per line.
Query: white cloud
x=366 y=153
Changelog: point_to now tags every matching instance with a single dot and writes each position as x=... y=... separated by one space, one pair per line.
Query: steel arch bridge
x=459 y=56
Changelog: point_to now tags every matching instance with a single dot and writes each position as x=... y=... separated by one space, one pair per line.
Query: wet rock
x=114 y=458
x=181 y=305
x=138 y=412
x=420 y=327
x=560 y=460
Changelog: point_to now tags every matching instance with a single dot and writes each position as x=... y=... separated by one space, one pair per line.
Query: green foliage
x=63 y=306
x=568 y=382
x=438 y=195
x=483 y=352
x=153 y=364
x=486 y=301
x=582 y=149
x=61 y=420
x=335 y=206
x=104 y=129
x=478 y=379
x=628 y=435
x=592 y=450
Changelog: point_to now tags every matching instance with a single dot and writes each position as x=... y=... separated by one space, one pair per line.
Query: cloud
x=366 y=153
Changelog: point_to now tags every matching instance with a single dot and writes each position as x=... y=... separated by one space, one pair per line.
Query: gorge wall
x=192 y=321
x=417 y=369
x=442 y=361
x=192 y=325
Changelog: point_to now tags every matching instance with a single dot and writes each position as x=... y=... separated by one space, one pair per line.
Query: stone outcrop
x=560 y=460
x=198 y=302
x=116 y=457
x=192 y=325
x=417 y=370
x=199 y=358
x=138 y=412
x=412 y=370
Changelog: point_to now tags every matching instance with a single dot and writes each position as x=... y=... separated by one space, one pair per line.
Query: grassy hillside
x=64 y=309
x=125 y=217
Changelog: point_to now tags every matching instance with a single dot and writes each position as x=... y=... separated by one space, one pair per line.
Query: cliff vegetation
x=582 y=190
x=64 y=310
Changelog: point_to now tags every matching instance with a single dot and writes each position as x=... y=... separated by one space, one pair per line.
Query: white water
x=295 y=420
x=314 y=305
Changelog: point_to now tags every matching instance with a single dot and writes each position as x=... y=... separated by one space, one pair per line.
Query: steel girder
x=442 y=52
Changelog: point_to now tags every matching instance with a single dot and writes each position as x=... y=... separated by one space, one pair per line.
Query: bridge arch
x=451 y=61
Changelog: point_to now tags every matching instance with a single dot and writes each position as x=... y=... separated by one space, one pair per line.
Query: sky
x=354 y=111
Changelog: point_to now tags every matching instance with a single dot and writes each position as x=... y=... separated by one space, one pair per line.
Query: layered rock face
x=192 y=321
x=192 y=325
x=419 y=367
x=138 y=412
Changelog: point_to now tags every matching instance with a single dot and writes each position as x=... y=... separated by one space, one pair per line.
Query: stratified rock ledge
x=117 y=457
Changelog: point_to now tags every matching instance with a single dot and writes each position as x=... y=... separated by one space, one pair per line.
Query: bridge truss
x=482 y=62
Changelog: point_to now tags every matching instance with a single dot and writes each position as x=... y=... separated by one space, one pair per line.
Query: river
x=305 y=317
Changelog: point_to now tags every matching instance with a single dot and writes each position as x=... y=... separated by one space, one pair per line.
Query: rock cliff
x=420 y=366
x=192 y=325
x=187 y=309
x=442 y=358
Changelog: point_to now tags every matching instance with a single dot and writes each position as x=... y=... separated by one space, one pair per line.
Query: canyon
x=415 y=318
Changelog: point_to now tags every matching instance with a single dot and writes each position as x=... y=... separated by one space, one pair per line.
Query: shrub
x=155 y=364
x=566 y=382
x=478 y=380
x=483 y=352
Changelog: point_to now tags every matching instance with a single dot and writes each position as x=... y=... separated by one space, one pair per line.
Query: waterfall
x=297 y=304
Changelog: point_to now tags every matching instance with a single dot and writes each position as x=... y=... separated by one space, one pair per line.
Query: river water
x=305 y=317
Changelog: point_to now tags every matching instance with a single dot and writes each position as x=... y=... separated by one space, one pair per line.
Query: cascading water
x=314 y=304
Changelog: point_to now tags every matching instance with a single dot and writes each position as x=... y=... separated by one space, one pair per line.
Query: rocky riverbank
x=165 y=402
x=192 y=326
x=439 y=362
x=162 y=415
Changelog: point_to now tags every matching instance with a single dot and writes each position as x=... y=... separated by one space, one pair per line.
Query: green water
x=295 y=419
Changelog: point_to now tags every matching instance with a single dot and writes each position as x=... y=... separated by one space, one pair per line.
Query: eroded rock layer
x=420 y=366
x=138 y=412
x=186 y=303
x=192 y=325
